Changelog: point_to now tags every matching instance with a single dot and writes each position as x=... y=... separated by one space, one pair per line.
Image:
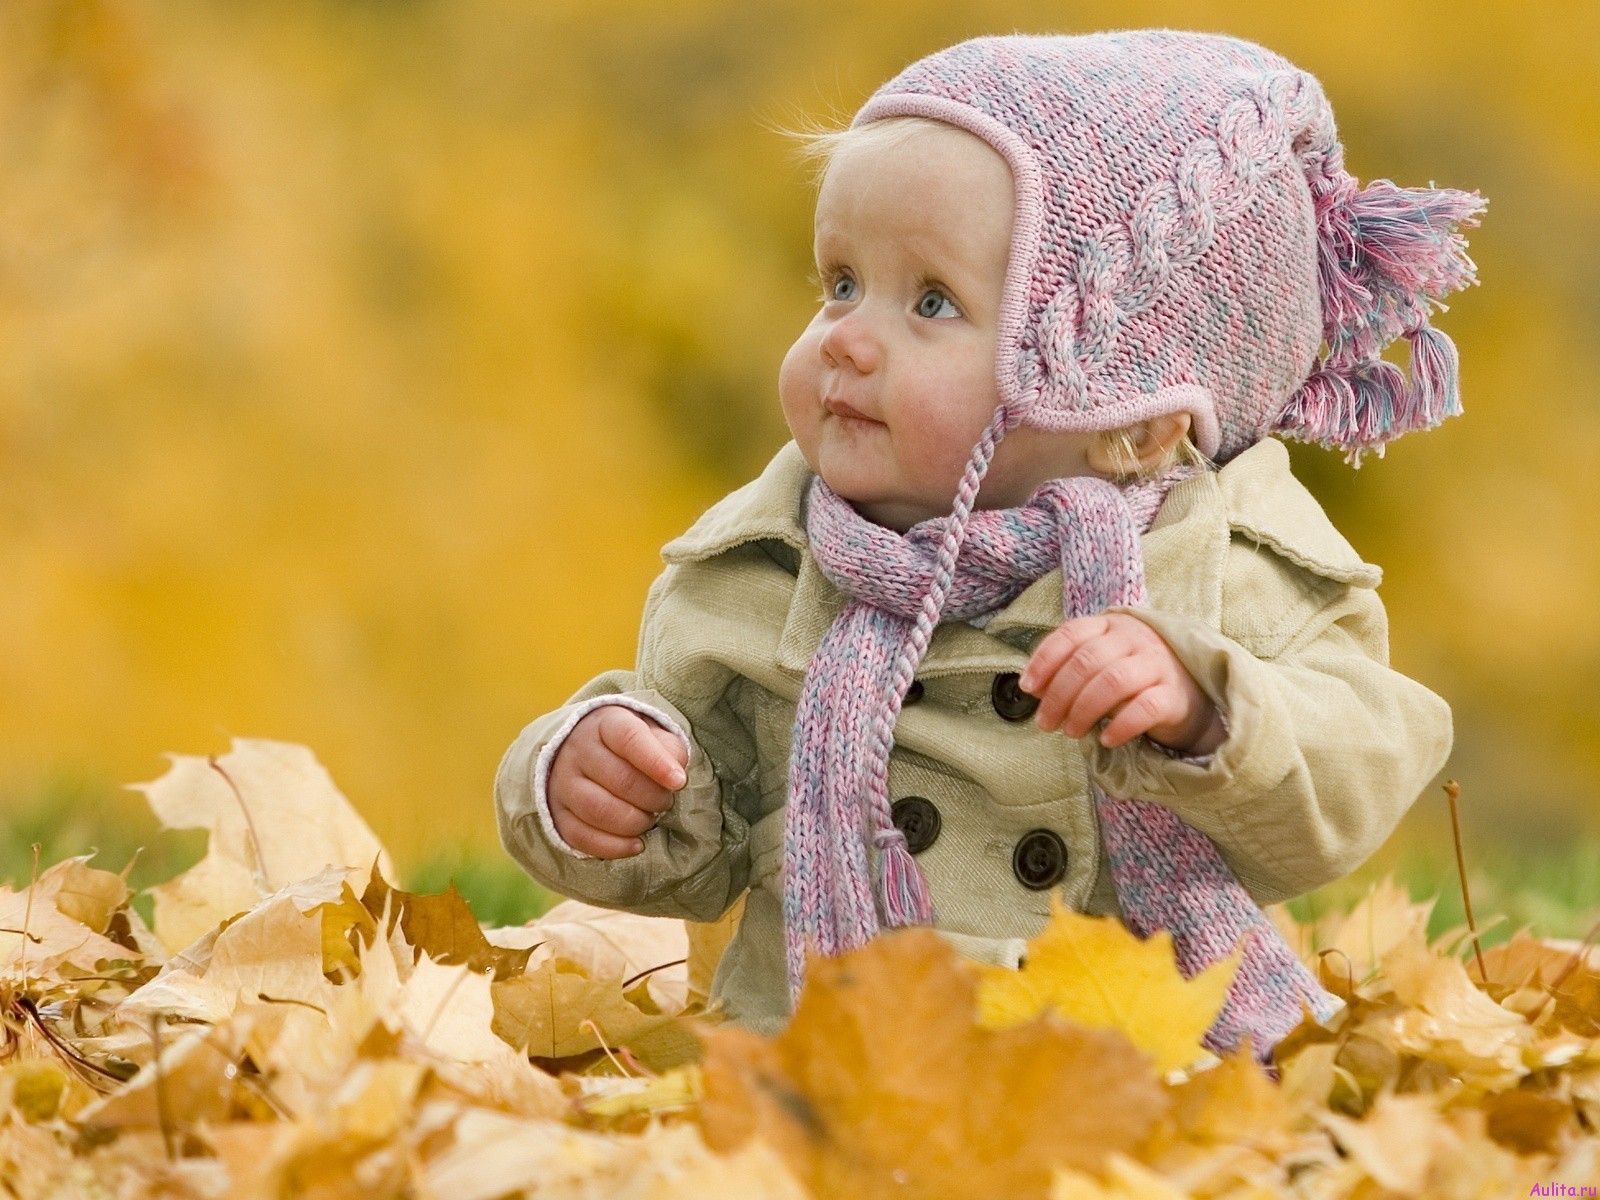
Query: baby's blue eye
x=940 y=297
x=833 y=290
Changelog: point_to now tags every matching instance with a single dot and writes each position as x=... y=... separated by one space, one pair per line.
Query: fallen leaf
x=496 y=1156
x=442 y=927
x=271 y=954
x=1349 y=946
x=593 y=976
x=191 y=1079
x=606 y=943
x=1527 y=1122
x=1450 y=1021
x=555 y=1009
x=273 y=816
x=37 y=940
x=1125 y=1179
x=1564 y=975
x=86 y=894
x=1394 y=1143
x=885 y=1081
x=1097 y=972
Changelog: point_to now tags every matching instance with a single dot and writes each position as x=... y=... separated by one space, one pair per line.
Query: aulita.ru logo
x=1563 y=1189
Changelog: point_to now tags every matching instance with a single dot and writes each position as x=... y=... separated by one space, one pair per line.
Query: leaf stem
x=1452 y=790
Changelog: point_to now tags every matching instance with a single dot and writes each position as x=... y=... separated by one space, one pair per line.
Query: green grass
x=1555 y=889
x=1552 y=886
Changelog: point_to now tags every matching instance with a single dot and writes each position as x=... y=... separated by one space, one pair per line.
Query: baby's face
x=911 y=247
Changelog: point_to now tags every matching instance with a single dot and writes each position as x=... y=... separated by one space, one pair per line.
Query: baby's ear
x=1156 y=437
x=1136 y=449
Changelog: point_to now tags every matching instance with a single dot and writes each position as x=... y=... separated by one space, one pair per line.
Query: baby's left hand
x=1089 y=666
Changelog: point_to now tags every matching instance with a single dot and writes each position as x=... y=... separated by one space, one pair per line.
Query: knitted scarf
x=1167 y=874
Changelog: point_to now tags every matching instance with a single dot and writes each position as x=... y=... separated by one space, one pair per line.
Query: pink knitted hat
x=1186 y=237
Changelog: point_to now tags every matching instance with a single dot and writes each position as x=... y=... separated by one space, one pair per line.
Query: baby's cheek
x=799 y=397
x=943 y=449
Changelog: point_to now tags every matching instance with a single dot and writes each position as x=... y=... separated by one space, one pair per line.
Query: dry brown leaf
x=1408 y=1145
x=270 y=954
x=885 y=1081
x=1394 y=1143
x=605 y=943
x=1528 y=1122
x=1563 y=977
x=1125 y=1179
x=339 y=1056
x=192 y=1079
x=274 y=817
x=442 y=927
x=571 y=996
x=553 y=1009
x=1233 y=1106
x=37 y=940
x=86 y=894
x=1349 y=946
x=494 y=1156
x=1446 y=1019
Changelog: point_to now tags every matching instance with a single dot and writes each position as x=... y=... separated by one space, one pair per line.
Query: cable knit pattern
x=1167 y=874
x=1186 y=236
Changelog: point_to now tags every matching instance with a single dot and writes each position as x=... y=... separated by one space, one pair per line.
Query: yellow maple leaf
x=1097 y=972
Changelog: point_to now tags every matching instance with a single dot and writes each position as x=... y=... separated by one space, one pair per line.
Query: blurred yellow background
x=357 y=357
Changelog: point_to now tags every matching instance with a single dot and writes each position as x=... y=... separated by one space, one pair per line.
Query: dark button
x=1010 y=701
x=918 y=819
x=913 y=693
x=1040 y=859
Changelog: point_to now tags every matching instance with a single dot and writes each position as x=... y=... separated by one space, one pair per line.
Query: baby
x=1032 y=604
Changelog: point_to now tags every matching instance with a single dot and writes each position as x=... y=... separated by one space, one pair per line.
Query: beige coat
x=1260 y=597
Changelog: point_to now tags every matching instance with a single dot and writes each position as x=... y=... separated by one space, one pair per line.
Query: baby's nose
x=852 y=339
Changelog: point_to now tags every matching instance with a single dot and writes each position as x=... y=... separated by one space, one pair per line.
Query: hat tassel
x=1385 y=255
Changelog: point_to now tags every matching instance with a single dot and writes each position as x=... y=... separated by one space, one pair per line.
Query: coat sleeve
x=695 y=862
x=1326 y=749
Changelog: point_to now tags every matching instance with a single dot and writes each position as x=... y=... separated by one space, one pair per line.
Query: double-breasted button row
x=1039 y=859
x=1010 y=701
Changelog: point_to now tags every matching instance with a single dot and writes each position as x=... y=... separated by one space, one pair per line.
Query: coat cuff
x=547 y=756
x=1252 y=758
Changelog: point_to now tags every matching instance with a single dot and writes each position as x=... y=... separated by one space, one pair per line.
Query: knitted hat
x=1186 y=237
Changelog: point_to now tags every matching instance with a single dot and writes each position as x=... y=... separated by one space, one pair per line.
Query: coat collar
x=1255 y=493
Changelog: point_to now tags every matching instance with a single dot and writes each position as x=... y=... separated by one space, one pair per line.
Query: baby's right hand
x=613 y=776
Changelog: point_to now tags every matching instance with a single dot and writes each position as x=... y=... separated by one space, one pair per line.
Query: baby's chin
x=883 y=505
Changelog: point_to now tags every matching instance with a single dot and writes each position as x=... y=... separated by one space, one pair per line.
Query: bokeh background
x=357 y=357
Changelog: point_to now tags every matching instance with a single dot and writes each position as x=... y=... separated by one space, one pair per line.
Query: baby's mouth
x=838 y=408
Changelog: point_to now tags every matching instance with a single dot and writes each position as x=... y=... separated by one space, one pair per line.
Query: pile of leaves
x=292 y=1025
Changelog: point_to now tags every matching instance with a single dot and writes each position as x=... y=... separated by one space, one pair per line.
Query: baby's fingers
x=635 y=740
x=1121 y=680
x=596 y=805
x=1154 y=706
x=581 y=835
x=1056 y=648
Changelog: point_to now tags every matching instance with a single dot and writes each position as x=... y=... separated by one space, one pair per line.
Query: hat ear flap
x=1384 y=255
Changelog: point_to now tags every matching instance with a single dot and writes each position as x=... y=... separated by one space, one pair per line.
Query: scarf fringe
x=902 y=892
